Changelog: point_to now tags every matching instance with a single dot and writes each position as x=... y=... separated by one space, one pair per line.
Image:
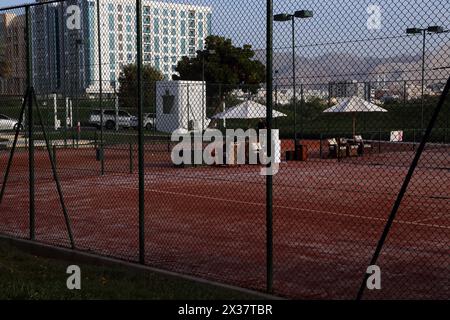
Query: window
x=183 y=46
x=156 y=44
x=183 y=28
x=110 y=7
x=200 y=16
x=165 y=12
x=156 y=25
x=182 y=14
x=200 y=29
x=147 y=48
x=208 y=23
x=146 y=10
x=111 y=22
x=112 y=43
x=128 y=19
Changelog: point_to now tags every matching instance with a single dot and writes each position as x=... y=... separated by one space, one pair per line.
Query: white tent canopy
x=354 y=105
x=247 y=110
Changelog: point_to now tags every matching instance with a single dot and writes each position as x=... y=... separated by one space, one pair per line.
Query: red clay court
x=210 y=221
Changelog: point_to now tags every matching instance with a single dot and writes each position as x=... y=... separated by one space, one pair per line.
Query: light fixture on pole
x=284 y=17
x=424 y=32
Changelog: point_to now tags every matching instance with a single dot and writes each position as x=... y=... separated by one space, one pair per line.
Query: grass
x=27 y=277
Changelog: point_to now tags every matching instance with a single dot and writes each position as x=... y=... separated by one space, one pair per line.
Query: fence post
x=99 y=48
x=321 y=150
x=141 y=134
x=131 y=158
x=269 y=178
x=379 y=141
x=54 y=155
x=30 y=124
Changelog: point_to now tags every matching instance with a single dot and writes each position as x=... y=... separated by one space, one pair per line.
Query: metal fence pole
x=141 y=134
x=102 y=162
x=405 y=186
x=30 y=125
x=269 y=178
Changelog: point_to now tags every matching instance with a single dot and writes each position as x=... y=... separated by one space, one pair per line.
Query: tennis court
x=210 y=221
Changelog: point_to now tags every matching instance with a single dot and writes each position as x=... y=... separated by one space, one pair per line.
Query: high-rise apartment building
x=69 y=59
x=12 y=44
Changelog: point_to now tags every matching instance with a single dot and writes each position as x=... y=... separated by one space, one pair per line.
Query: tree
x=227 y=67
x=128 y=89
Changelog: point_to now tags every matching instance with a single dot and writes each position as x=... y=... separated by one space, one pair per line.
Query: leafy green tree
x=226 y=67
x=128 y=89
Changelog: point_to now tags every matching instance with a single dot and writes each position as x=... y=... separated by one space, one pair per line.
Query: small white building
x=181 y=105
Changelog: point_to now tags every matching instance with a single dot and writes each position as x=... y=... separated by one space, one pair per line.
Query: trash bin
x=301 y=151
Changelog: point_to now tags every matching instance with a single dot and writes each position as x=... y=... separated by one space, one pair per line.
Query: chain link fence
x=141 y=130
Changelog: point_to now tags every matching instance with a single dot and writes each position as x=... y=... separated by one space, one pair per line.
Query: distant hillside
x=347 y=67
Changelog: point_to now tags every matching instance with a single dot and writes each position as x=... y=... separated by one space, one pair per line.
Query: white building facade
x=66 y=58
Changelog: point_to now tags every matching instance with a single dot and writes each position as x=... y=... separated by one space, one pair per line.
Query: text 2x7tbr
x=238 y=309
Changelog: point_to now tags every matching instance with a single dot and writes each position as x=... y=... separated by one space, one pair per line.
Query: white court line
x=296 y=209
x=443 y=215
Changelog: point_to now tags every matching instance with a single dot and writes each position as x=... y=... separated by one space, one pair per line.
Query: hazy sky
x=337 y=25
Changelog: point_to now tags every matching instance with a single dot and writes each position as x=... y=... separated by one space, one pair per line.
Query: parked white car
x=8 y=123
x=123 y=119
x=149 y=121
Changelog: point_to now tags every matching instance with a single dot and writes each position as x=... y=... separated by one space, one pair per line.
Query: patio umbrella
x=354 y=105
x=247 y=110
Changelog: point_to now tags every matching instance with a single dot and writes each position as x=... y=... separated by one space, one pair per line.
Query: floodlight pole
x=294 y=84
x=283 y=17
x=424 y=43
x=423 y=32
